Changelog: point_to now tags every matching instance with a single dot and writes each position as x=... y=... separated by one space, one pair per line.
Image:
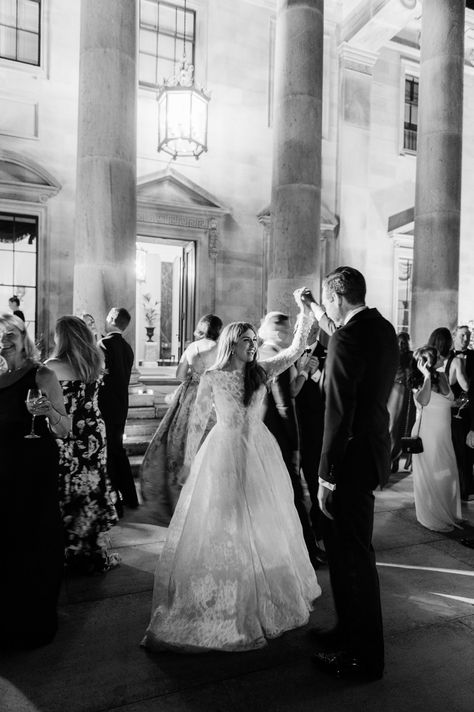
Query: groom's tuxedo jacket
x=360 y=369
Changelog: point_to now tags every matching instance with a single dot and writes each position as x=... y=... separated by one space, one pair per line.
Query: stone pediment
x=171 y=190
x=21 y=178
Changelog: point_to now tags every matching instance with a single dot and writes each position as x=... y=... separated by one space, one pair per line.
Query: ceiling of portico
x=369 y=25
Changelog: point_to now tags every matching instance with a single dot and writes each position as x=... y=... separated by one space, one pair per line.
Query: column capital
x=359 y=60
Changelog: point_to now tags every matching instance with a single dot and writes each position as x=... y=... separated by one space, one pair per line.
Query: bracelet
x=53 y=425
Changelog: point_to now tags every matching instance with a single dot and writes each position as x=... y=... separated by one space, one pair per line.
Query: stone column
x=296 y=182
x=438 y=169
x=105 y=231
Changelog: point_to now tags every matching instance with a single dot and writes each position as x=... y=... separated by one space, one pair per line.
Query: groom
x=360 y=368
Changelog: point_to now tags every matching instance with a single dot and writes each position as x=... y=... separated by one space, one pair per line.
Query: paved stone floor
x=96 y=663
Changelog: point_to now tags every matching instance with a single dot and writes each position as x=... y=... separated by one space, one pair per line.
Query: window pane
x=148 y=41
x=27 y=244
x=149 y=13
x=6 y=270
x=28 y=307
x=166 y=47
x=8 y=12
x=167 y=18
x=167 y=68
x=147 y=69
x=190 y=24
x=189 y=52
x=27 y=47
x=7 y=42
x=28 y=15
x=25 y=269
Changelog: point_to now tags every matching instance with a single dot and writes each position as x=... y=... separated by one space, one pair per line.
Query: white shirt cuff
x=328 y=485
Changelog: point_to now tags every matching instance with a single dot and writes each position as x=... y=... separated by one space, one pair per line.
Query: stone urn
x=150 y=330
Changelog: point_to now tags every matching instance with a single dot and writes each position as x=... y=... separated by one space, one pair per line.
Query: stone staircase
x=146 y=409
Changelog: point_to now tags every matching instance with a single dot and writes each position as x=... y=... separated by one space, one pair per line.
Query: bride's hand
x=302 y=300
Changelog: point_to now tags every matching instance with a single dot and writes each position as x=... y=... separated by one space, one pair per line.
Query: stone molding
x=24 y=190
x=356 y=59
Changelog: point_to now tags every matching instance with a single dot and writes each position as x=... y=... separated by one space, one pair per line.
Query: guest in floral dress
x=85 y=493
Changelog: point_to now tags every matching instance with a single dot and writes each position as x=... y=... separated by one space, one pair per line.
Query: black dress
x=31 y=541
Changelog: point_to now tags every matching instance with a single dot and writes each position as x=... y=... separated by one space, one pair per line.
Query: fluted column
x=296 y=182
x=438 y=168
x=105 y=234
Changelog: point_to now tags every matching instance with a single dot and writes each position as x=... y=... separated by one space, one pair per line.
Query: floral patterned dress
x=85 y=493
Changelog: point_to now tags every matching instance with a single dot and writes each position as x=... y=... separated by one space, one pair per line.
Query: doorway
x=166 y=285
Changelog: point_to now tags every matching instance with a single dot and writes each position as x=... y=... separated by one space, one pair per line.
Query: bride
x=234 y=569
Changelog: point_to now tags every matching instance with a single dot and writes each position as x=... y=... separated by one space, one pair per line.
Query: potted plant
x=151 y=313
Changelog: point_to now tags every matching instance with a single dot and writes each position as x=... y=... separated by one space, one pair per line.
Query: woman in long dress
x=234 y=569
x=164 y=457
x=31 y=537
x=435 y=477
x=86 y=497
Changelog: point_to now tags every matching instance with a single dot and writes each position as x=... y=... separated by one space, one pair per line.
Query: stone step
x=142 y=412
x=141 y=427
x=136 y=399
x=136 y=444
x=135 y=462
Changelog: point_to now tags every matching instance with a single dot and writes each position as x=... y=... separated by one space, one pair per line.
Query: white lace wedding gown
x=234 y=569
x=435 y=472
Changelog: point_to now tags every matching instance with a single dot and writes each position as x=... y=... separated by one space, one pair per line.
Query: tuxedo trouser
x=351 y=559
x=464 y=454
x=118 y=465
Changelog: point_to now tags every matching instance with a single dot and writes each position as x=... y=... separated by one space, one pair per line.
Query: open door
x=188 y=293
x=166 y=280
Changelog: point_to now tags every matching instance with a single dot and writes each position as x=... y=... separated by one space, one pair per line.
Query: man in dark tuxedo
x=360 y=368
x=279 y=415
x=113 y=403
x=460 y=426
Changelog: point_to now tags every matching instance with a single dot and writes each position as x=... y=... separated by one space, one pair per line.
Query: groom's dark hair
x=347 y=282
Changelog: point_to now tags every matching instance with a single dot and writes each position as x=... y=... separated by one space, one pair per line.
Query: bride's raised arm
x=284 y=359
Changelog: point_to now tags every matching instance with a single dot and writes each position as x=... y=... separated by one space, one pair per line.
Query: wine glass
x=461 y=403
x=34 y=394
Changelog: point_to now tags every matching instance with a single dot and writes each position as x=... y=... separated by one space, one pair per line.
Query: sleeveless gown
x=85 y=493
x=31 y=538
x=164 y=457
x=435 y=475
x=234 y=569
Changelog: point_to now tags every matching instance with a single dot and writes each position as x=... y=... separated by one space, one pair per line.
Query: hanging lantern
x=182 y=115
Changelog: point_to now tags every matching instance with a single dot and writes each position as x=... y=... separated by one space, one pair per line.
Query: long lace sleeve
x=199 y=418
x=283 y=360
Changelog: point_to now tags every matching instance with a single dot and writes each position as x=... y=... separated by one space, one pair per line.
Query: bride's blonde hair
x=254 y=375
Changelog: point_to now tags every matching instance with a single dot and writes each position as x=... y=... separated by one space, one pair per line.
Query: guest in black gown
x=31 y=546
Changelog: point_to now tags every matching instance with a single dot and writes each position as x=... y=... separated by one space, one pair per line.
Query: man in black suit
x=113 y=403
x=279 y=415
x=461 y=417
x=360 y=368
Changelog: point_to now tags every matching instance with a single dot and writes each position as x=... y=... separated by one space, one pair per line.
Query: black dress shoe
x=332 y=639
x=344 y=665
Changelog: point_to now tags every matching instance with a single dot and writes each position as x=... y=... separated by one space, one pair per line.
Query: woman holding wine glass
x=31 y=542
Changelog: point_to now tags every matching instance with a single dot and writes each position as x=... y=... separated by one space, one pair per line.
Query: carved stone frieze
x=190 y=221
x=213 y=239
